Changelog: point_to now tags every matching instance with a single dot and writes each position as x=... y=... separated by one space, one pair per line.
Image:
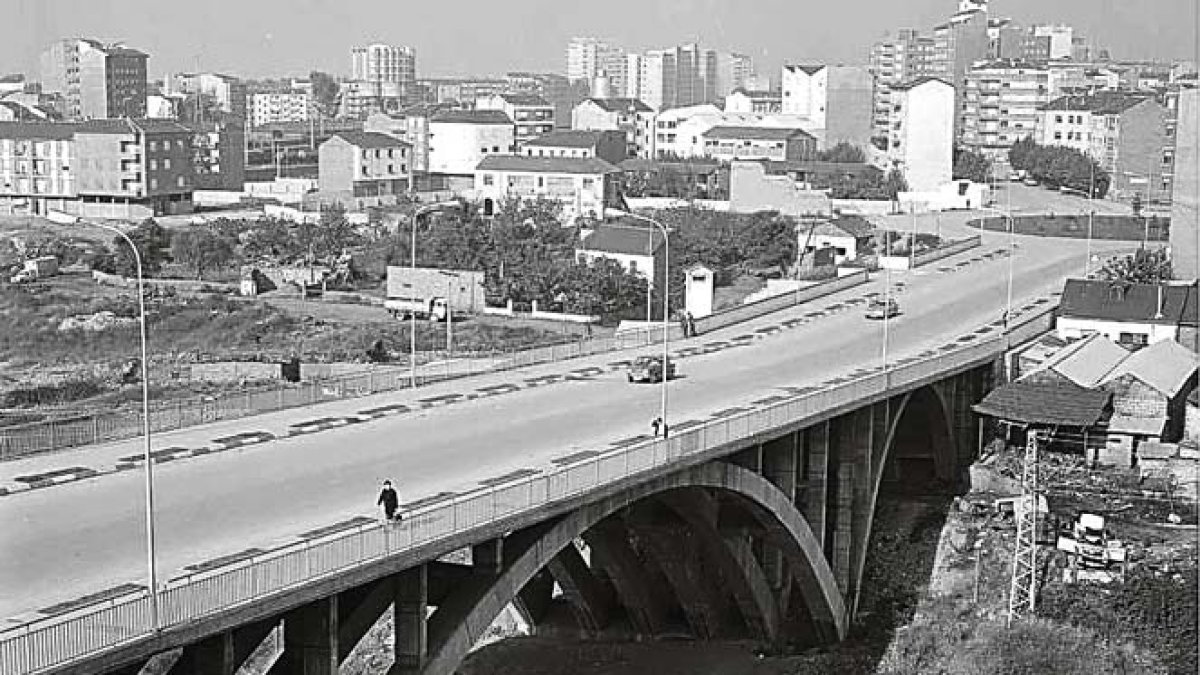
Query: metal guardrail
x=953 y=248
x=116 y=425
x=51 y=642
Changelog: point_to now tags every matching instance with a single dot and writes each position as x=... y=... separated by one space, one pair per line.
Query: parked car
x=24 y=276
x=880 y=309
x=1031 y=182
x=649 y=369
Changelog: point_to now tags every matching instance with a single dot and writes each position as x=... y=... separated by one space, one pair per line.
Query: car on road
x=881 y=309
x=649 y=369
x=1031 y=182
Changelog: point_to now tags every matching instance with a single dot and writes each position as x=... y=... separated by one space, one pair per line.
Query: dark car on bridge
x=649 y=369
x=879 y=309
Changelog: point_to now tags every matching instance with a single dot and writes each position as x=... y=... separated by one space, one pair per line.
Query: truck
x=434 y=309
x=432 y=293
x=37 y=268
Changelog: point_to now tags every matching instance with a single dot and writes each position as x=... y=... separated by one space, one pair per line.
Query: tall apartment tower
x=589 y=57
x=893 y=62
x=921 y=137
x=97 y=81
x=389 y=71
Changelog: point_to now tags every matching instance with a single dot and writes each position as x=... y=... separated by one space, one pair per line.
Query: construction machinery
x=1092 y=554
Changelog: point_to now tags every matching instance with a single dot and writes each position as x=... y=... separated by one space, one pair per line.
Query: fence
x=116 y=425
x=769 y=305
x=55 y=641
x=946 y=251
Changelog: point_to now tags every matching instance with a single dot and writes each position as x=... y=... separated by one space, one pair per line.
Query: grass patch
x=1075 y=226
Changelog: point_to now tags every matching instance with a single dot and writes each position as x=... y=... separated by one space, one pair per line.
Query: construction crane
x=1022 y=592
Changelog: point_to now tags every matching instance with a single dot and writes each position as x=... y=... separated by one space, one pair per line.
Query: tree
x=202 y=248
x=1057 y=166
x=843 y=152
x=894 y=184
x=1020 y=155
x=1143 y=267
x=152 y=241
x=971 y=165
x=325 y=92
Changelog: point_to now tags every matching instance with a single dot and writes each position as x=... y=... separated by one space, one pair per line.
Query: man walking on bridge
x=389 y=500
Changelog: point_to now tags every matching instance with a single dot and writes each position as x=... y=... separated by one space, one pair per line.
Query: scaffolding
x=1022 y=593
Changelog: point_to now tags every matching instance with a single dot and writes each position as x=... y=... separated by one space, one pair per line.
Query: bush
x=52 y=394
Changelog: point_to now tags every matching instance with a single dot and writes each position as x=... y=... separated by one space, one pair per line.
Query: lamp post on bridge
x=666 y=328
x=412 y=325
x=1012 y=248
x=151 y=564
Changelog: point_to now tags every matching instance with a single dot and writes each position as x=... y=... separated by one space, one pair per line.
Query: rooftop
x=1166 y=366
x=632 y=239
x=621 y=104
x=1046 y=404
x=807 y=69
x=1102 y=103
x=567 y=138
x=914 y=83
x=576 y=165
x=528 y=100
x=1085 y=362
x=1140 y=303
x=471 y=117
x=755 y=133
x=369 y=139
x=45 y=131
x=126 y=126
x=757 y=93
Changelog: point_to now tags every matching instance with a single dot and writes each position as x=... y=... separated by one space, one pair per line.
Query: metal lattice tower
x=1022 y=592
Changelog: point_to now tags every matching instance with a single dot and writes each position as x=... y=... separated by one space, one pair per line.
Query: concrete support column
x=535 y=597
x=843 y=524
x=681 y=560
x=816 y=444
x=310 y=640
x=211 y=656
x=779 y=464
x=645 y=603
x=410 y=604
x=487 y=558
x=750 y=458
x=588 y=599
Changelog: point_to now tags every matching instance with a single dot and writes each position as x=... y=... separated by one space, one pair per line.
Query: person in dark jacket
x=389 y=500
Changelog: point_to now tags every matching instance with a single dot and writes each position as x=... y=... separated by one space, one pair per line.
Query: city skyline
x=265 y=39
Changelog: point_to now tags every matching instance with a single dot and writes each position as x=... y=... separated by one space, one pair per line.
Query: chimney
x=1158 y=315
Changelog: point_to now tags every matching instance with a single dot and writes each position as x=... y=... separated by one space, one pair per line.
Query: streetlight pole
x=412 y=313
x=666 y=329
x=151 y=565
x=1012 y=247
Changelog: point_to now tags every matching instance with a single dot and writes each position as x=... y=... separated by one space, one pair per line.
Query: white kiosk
x=698 y=291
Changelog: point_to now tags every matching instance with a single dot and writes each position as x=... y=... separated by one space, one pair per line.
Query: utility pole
x=1022 y=593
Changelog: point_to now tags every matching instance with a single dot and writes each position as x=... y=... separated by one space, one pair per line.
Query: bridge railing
x=74 y=636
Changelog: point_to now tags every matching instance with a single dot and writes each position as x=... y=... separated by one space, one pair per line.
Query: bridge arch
x=920 y=415
x=770 y=509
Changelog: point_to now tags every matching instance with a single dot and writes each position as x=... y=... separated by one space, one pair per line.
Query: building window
x=1134 y=339
x=1058 y=119
x=390 y=155
x=1058 y=135
x=378 y=153
x=589 y=183
x=633 y=267
x=391 y=168
x=489 y=179
x=366 y=154
x=166 y=162
x=364 y=170
x=153 y=183
x=181 y=181
x=153 y=146
x=483 y=150
x=154 y=165
x=495 y=148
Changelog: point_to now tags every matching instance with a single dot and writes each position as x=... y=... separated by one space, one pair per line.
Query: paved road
x=82 y=537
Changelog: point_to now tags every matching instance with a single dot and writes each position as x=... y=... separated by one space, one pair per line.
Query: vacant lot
x=1075 y=226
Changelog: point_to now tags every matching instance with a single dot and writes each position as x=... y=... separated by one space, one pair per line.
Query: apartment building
x=460 y=139
x=273 y=107
x=1124 y=133
x=628 y=115
x=606 y=145
x=679 y=133
x=226 y=92
x=359 y=169
x=894 y=62
x=921 y=136
x=589 y=57
x=582 y=187
x=1185 y=188
x=837 y=100
x=387 y=71
x=1001 y=104
x=1074 y=78
x=730 y=143
x=96 y=80
x=760 y=102
x=116 y=168
x=532 y=115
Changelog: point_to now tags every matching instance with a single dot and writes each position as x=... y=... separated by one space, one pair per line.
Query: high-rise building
x=587 y=57
x=678 y=77
x=837 y=100
x=388 y=71
x=894 y=62
x=921 y=136
x=227 y=94
x=959 y=43
x=1185 y=188
x=1000 y=106
x=733 y=72
x=97 y=81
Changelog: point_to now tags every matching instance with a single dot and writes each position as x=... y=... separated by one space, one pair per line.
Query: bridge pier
x=310 y=640
x=678 y=554
x=410 y=602
x=589 y=600
x=816 y=498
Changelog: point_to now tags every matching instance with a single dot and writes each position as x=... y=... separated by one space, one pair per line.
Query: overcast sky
x=278 y=37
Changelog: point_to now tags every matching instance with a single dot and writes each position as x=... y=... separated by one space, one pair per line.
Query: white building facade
x=921 y=137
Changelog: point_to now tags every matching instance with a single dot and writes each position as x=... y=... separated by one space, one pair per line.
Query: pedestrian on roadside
x=691 y=325
x=656 y=423
x=389 y=500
